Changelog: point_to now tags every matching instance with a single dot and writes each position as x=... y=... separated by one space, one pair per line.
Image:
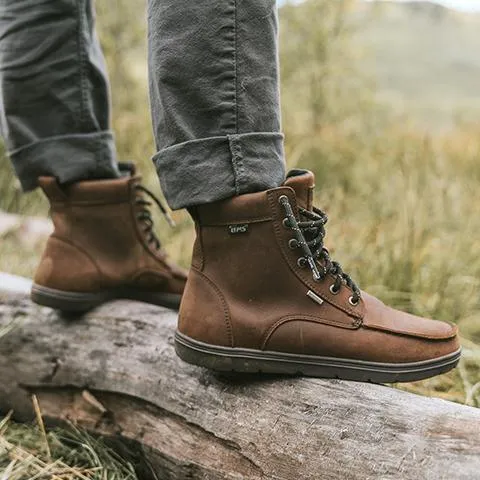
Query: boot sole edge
x=241 y=360
x=82 y=302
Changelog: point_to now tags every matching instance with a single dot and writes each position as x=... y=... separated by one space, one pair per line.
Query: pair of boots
x=262 y=295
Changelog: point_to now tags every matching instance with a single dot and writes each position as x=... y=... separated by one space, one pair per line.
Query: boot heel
x=201 y=355
x=67 y=301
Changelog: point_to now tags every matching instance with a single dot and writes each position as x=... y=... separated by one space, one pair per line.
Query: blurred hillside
x=424 y=57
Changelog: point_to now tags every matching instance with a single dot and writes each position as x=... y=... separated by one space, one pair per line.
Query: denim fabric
x=54 y=114
x=214 y=94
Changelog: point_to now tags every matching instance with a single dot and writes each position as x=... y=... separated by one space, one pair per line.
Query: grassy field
x=403 y=196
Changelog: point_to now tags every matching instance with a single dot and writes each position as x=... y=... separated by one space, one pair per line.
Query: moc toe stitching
x=416 y=334
x=306 y=318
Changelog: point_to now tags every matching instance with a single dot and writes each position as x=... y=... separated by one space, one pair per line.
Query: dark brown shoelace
x=309 y=236
x=145 y=215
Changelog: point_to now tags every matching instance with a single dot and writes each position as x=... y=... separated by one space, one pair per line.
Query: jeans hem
x=68 y=158
x=215 y=168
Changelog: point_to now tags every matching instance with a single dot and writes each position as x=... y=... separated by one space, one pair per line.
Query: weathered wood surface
x=115 y=372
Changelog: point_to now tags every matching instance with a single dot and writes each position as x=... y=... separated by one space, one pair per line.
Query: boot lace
x=309 y=236
x=144 y=214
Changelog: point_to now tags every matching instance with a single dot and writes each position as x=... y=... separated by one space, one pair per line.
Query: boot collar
x=303 y=184
x=109 y=191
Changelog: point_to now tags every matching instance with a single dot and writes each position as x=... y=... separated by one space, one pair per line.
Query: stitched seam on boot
x=81 y=250
x=150 y=271
x=198 y=261
x=226 y=311
x=305 y=318
x=405 y=333
x=278 y=234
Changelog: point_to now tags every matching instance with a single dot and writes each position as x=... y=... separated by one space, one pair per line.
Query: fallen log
x=114 y=372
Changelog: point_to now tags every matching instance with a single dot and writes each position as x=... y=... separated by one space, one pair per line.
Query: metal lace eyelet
x=282 y=199
x=301 y=262
x=286 y=223
x=333 y=290
x=352 y=303
x=293 y=244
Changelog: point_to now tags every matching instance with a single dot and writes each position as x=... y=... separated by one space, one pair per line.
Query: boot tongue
x=303 y=183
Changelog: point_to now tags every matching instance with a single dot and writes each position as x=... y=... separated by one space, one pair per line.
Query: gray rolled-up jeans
x=214 y=90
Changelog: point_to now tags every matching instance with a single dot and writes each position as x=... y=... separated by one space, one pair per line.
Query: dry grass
x=27 y=452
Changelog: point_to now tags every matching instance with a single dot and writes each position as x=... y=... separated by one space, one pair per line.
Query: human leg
x=263 y=294
x=215 y=98
x=54 y=92
x=54 y=117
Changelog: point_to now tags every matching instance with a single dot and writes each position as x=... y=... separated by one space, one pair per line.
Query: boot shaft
x=244 y=229
x=245 y=266
x=101 y=221
x=247 y=242
x=98 y=216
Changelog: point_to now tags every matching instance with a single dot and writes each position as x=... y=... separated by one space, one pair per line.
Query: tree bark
x=114 y=372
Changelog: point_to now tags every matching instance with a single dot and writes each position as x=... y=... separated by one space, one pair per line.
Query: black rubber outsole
x=242 y=360
x=76 y=302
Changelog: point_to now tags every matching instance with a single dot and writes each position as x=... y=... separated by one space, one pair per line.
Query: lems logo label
x=234 y=229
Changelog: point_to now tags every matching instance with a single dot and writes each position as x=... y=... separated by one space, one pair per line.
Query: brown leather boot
x=103 y=247
x=263 y=295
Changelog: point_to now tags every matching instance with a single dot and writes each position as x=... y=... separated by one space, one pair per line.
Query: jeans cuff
x=68 y=158
x=211 y=169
